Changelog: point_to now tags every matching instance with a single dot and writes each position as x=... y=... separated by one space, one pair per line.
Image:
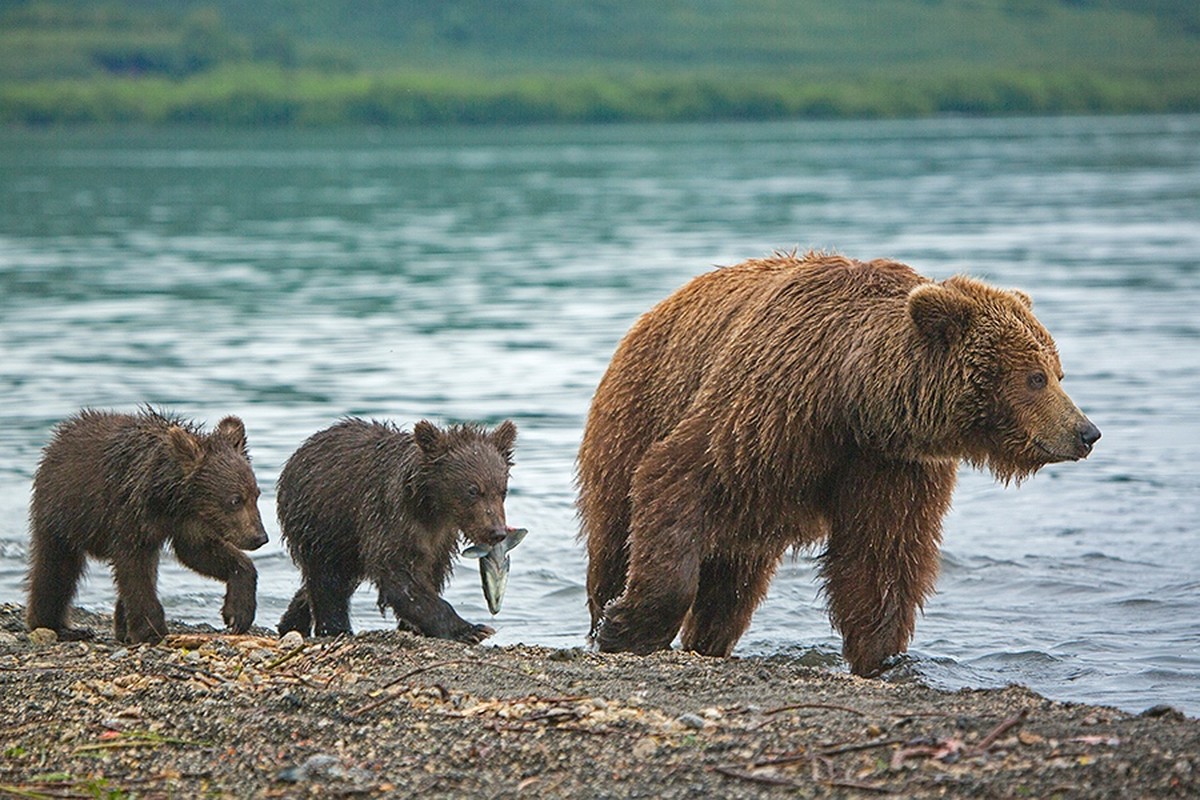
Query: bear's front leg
x=219 y=559
x=730 y=588
x=420 y=607
x=882 y=558
x=138 y=616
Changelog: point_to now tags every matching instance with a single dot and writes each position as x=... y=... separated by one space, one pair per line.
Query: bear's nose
x=1089 y=434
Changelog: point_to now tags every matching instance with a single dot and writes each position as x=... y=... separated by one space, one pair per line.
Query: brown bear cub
x=365 y=500
x=116 y=487
x=793 y=400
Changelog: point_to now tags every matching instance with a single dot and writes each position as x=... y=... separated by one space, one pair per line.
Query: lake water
x=296 y=277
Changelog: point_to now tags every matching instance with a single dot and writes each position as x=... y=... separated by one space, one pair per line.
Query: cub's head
x=1010 y=408
x=222 y=495
x=465 y=474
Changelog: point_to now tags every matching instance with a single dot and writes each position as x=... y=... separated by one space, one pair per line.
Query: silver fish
x=493 y=566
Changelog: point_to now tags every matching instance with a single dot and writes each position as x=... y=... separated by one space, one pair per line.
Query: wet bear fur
x=116 y=487
x=795 y=400
x=363 y=500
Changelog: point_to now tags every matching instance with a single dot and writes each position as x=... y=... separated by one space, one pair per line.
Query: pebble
x=43 y=636
x=694 y=721
x=292 y=640
x=117 y=655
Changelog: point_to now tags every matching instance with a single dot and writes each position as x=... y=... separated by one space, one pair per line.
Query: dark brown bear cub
x=116 y=487
x=364 y=500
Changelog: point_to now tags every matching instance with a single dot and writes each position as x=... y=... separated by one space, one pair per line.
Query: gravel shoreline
x=389 y=714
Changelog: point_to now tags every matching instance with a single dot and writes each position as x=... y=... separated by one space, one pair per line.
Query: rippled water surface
x=293 y=278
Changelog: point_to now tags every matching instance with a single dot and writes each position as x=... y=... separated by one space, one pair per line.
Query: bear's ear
x=1024 y=298
x=186 y=449
x=940 y=313
x=428 y=438
x=233 y=431
x=504 y=437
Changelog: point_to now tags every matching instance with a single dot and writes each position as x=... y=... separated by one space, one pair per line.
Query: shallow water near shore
x=296 y=277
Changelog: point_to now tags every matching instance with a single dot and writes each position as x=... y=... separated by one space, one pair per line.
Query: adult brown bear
x=792 y=400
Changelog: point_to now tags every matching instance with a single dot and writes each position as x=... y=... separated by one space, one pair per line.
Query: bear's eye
x=1036 y=380
x=234 y=502
x=472 y=491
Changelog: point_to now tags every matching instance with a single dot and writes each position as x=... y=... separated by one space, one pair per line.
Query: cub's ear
x=186 y=449
x=428 y=438
x=504 y=437
x=1025 y=299
x=233 y=431
x=940 y=313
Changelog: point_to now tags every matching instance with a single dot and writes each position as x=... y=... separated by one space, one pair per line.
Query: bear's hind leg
x=882 y=558
x=298 y=616
x=329 y=597
x=665 y=549
x=730 y=589
x=608 y=562
x=54 y=572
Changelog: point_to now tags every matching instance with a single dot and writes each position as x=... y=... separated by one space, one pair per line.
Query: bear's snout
x=1088 y=435
x=257 y=542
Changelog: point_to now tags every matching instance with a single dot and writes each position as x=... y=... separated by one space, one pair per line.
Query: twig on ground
x=286 y=657
x=987 y=741
x=772 y=780
x=390 y=696
x=827 y=706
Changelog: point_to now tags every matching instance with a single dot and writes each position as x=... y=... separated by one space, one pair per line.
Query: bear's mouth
x=1054 y=455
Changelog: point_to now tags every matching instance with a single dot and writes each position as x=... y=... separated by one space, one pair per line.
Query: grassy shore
x=270 y=96
x=300 y=62
x=390 y=714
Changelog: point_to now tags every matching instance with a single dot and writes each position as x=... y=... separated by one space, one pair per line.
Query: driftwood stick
x=827 y=706
x=987 y=741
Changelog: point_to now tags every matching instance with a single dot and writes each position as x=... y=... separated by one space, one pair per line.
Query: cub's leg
x=221 y=560
x=54 y=572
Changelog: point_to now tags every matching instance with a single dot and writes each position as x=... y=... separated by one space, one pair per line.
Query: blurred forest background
x=407 y=62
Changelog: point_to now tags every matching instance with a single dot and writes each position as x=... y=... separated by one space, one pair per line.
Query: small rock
x=1163 y=710
x=43 y=636
x=694 y=721
x=645 y=748
x=292 y=640
x=711 y=713
x=117 y=655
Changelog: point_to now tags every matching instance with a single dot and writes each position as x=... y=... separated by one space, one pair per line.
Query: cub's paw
x=238 y=618
x=474 y=634
x=75 y=634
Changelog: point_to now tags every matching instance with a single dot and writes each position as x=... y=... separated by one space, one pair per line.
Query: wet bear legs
x=882 y=559
x=420 y=608
x=730 y=589
x=54 y=574
x=138 y=616
x=223 y=561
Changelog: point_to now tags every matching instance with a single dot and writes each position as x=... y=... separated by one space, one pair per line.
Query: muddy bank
x=391 y=714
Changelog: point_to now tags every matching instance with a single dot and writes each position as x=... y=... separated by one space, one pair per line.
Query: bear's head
x=1001 y=381
x=464 y=475
x=222 y=494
